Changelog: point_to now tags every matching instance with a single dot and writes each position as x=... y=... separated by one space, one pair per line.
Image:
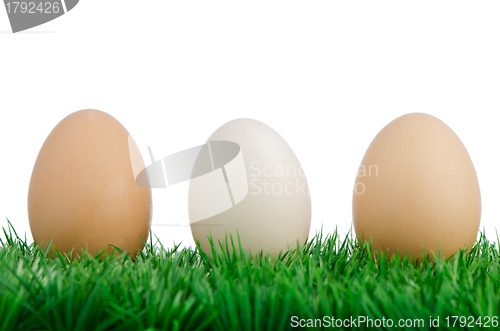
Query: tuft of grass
x=186 y=289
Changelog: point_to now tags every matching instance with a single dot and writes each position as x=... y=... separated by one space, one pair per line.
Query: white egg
x=275 y=214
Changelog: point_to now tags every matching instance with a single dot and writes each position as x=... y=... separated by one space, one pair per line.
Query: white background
x=327 y=75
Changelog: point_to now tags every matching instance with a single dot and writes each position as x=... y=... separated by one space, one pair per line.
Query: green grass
x=183 y=289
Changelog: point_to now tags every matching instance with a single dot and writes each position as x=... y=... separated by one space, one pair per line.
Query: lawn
x=183 y=289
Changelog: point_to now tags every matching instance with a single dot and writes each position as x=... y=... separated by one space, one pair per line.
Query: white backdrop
x=327 y=75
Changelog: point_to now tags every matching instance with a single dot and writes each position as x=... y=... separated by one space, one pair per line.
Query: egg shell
x=273 y=222
x=82 y=193
x=417 y=189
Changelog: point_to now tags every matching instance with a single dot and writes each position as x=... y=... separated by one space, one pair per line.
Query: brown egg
x=83 y=194
x=417 y=189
